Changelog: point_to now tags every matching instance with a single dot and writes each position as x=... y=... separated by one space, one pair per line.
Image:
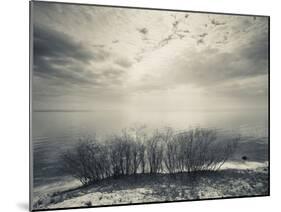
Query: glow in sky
x=102 y=58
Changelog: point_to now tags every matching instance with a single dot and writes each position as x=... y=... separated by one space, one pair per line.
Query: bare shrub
x=142 y=157
x=198 y=150
x=139 y=153
x=172 y=151
x=134 y=152
x=116 y=157
x=88 y=162
x=221 y=152
x=120 y=155
x=127 y=153
x=155 y=150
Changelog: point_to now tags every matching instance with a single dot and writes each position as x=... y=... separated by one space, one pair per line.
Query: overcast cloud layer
x=97 y=58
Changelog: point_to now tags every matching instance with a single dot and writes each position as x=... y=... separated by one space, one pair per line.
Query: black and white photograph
x=136 y=105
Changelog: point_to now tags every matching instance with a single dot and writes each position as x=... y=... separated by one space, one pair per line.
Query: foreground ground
x=161 y=187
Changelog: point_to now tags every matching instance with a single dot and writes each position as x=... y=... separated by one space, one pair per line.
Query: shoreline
x=143 y=188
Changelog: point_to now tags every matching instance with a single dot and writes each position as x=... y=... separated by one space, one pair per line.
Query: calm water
x=54 y=132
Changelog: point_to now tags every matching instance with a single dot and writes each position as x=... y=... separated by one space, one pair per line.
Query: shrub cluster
x=131 y=153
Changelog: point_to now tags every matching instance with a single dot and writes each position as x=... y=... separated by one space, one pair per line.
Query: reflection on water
x=53 y=132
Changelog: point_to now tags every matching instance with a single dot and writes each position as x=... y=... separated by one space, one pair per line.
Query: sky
x=103 y=58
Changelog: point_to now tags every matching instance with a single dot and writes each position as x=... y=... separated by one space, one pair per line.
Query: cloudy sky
x=97 y=58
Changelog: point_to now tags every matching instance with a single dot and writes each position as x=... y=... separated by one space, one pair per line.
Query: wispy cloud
x=98 y=54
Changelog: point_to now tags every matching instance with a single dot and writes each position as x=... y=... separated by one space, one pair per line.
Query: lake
x=55 y=131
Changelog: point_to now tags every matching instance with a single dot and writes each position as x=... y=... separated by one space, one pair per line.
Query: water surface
x=55 y=131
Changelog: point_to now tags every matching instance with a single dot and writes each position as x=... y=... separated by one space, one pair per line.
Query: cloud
x=57 y=55
x=200 y=41
x=203 y=35
x=250 y=87
x=107 y=53
x=143 y=31
x=99 y=45
x=53 y=44
x=165 y=41
x=123 y=62
x=212 y=65
x=219 y=71
x=257 y=49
